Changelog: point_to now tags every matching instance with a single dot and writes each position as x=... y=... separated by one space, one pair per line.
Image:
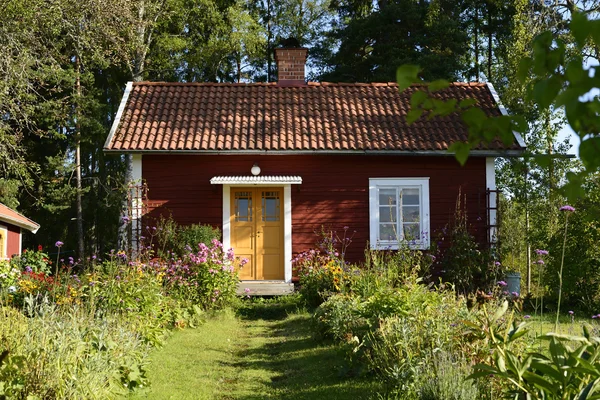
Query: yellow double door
x=257 y=231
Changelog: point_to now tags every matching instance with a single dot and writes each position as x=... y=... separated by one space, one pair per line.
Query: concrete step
x=265 y=288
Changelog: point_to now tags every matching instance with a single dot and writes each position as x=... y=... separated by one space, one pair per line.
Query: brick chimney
x=290 y=65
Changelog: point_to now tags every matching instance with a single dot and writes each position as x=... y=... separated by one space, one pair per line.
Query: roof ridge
x=308 y=84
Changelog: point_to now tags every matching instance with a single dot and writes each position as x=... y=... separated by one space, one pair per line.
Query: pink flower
x=567 y=208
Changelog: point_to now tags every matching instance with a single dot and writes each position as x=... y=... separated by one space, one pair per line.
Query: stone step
x=265 y=288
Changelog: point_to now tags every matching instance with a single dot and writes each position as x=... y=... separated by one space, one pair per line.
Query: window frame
x=422 y=183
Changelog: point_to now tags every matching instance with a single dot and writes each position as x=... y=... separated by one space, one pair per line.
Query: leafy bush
x=172 y=238
x=462 y=262
x=32 y=261
x=319 y=275
x=570 y=368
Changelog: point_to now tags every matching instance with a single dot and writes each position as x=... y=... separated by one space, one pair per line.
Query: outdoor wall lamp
x=255 y=169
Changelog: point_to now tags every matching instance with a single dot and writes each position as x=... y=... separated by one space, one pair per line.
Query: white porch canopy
x=256 y=180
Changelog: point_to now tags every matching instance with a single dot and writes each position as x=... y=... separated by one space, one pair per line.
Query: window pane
x=387 y=232
x=243 y=206
x=412 y=232
x=388 y=214
x=270 y=206
x=387 y=197
x=410 y=197
x=410 y=214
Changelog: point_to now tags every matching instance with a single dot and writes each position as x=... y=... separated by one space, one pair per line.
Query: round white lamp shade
x=255 y=169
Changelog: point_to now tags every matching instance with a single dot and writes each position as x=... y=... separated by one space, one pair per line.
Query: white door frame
x=287 y=223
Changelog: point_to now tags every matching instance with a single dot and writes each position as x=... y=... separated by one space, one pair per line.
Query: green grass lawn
x=265 y=351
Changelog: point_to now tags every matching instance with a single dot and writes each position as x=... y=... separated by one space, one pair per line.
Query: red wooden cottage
x=270 y=163
x=11 y=225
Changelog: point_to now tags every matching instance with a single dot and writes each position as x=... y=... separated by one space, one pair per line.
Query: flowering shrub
x=9 y=275
x=208 y=278
x=320 y=275
x=33 y=261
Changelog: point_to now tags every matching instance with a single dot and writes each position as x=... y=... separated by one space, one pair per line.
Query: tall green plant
x=570 y=370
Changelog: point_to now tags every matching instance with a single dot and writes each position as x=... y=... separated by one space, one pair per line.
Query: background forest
x=64 y=65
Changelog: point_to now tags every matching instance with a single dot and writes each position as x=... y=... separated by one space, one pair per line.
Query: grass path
x=265 y=352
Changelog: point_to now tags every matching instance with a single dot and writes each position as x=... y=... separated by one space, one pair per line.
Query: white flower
x=12 y=289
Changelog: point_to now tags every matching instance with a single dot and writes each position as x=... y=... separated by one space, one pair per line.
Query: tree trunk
x=476 y=39
x=489 y=49
x=269 y=44
x=80 y=246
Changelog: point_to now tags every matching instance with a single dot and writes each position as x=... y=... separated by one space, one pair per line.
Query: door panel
x=257 y=231
x=243 y=229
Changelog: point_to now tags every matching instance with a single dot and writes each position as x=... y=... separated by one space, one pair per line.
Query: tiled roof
x=266 y=117
x=12 y=217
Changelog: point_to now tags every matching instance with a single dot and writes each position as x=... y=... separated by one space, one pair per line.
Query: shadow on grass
x=271 y=309
x=302 y=367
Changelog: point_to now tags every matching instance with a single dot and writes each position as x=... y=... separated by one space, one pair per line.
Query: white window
x=399 y=212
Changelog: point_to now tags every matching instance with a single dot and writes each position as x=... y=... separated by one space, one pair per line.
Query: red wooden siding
x=14 y=239
x=334 y=192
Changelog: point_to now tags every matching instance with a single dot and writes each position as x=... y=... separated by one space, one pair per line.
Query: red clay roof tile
x=162 y=116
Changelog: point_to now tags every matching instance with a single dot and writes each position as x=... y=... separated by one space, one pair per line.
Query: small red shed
x=11 y=225
x=270 y=163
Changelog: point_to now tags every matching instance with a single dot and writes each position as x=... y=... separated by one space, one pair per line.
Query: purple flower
x=541 y=262
x=28 y=269
x=542 y=252
x=567 y=208
x=247 y=290
x=527 y=316
x=497 y=263
x=515 y=294
x=125 y=219
x=571 y=313
x=59 y=244
x=594 y=316
x=502 y=283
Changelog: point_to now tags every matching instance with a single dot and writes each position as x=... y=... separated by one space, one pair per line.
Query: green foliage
x=208 y=278
x=319 y=275
x=32 y=261
x=448 y=381
x=464 y=263
x=553 y=79
x=581 y=274
x=180 y=240
x=369 y=49
x=9 y=275
x=570 y=368
x=68 y=354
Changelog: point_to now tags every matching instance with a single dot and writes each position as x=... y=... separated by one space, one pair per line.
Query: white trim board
x=287 y=225
x=490 y=184
x=117 y=120
x=136 y=178
x=503 y=111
